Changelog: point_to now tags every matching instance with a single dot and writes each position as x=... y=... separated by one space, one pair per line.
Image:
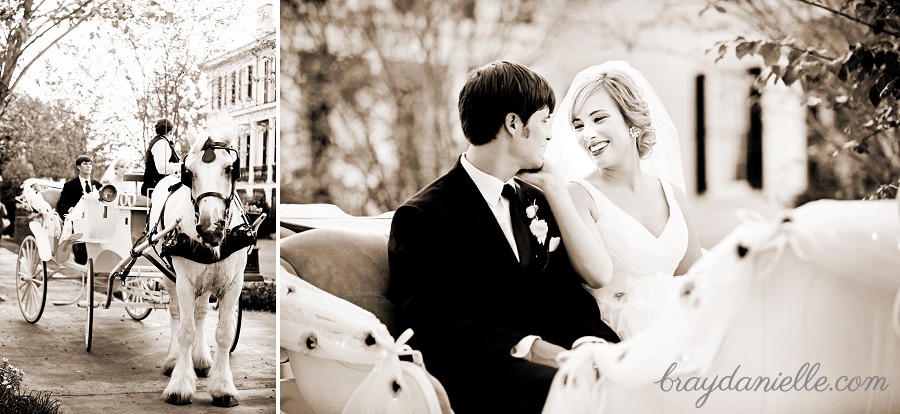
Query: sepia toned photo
x=138 y=155
x=578 y=206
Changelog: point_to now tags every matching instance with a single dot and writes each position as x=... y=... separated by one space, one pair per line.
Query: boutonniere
x=539 y=227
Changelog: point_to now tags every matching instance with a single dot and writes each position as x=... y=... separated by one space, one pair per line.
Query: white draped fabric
x=344 y=359
x=808 y=301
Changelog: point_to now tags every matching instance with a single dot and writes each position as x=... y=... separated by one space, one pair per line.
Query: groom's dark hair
x=497 y=89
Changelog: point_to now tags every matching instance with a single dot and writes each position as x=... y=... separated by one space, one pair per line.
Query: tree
x=43 y=141
x=144 y=67
x=844 y=54
x=29 y=30
x=377 y=111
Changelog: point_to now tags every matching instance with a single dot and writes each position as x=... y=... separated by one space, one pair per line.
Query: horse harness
x=179 y=244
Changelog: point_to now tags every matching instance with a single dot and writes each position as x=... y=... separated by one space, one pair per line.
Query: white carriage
x=112 y=227
x=816 y=286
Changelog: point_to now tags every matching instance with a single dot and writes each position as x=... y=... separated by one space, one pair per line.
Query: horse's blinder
x=187 y=176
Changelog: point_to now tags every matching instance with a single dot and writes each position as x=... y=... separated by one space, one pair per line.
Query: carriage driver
x=161 y=159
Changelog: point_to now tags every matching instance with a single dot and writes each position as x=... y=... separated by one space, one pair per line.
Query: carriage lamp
x=108 y=193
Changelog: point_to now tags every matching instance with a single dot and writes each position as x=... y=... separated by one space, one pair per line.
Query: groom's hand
x=544 y=353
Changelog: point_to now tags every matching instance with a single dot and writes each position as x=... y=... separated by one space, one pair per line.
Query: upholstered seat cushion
x=351 y=265
x=51 y=195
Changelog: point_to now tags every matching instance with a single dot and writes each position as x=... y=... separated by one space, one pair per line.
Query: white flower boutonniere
x=539 y=230
x=531 y=211
x=538 y=227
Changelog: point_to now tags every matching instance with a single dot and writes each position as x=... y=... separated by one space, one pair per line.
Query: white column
x=784 y=143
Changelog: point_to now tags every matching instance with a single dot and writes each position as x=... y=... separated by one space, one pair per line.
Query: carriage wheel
x=89 y=321
x=138 y=285
x=31 y=280
x=237 y=328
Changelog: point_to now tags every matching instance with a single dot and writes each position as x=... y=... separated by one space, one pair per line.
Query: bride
x=623 y=213
x=115 y=175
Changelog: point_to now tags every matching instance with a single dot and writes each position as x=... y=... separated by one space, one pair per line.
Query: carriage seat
x=351 y=265
x=51 y=195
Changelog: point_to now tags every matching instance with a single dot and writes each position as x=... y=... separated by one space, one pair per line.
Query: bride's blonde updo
x=631 y=104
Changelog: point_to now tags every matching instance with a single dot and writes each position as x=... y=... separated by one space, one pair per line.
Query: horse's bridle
x=187 y=176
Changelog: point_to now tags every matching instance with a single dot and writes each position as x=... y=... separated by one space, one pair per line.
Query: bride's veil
x=573 y=162
x=110 y=173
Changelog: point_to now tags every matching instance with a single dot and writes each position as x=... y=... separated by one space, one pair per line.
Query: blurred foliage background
x=844 y=54
x=371 y=85
x=395 y=61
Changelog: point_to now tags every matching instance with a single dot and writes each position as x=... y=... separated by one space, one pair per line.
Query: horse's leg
x=200 y=350
x=221 y=385
x=174 y=317
x=183 y=381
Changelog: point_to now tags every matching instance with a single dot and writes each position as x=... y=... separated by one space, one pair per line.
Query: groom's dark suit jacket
x=456 y=281
x=71 y=195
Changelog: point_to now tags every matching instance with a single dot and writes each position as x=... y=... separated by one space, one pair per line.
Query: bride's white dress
x=643 y=263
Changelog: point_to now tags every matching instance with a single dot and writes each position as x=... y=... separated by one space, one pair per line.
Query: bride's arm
x=571 y=208
x=693 y=250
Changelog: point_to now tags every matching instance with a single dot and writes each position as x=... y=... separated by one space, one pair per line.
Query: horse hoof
x=176 y=399
x=168 y=371
x=201 y=372
x=225 y=401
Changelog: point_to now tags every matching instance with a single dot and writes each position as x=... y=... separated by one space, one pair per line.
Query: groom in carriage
x=72 y=192
x=491 y=299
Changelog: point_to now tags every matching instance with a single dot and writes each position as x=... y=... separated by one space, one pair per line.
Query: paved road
x=122 y=373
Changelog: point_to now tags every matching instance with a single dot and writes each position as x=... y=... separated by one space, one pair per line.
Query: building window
x=233 y=87
x=750 y=167
x=264 y=128
x=250 y=82
x=240 y=85
x=700 y=131
x=219 y=92
x=245 y=146
x=226 y=80
x=266 y=68
x=271 y=76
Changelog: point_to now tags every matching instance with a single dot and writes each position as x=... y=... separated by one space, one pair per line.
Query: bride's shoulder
x=581 y=194
x=677 y=193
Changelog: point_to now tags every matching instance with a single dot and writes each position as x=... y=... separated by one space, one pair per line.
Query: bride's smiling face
x=601 y=130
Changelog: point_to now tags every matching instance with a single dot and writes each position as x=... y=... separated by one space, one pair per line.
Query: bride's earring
x=634 y=131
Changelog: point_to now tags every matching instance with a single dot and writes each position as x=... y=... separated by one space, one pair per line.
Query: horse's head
x=210 y=171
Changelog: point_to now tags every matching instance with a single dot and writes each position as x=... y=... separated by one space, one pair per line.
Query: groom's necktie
x=87 y=187
x=517 y=222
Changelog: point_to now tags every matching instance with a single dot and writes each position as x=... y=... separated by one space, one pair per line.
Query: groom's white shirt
x=490 y=188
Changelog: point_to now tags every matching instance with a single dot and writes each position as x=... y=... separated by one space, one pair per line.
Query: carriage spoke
x=26 y=297
x=27 y=294
x=31 y=298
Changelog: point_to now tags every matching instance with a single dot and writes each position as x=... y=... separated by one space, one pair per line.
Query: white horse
x=209 y=255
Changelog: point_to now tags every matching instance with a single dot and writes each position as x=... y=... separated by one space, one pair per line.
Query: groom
x=477 y=268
